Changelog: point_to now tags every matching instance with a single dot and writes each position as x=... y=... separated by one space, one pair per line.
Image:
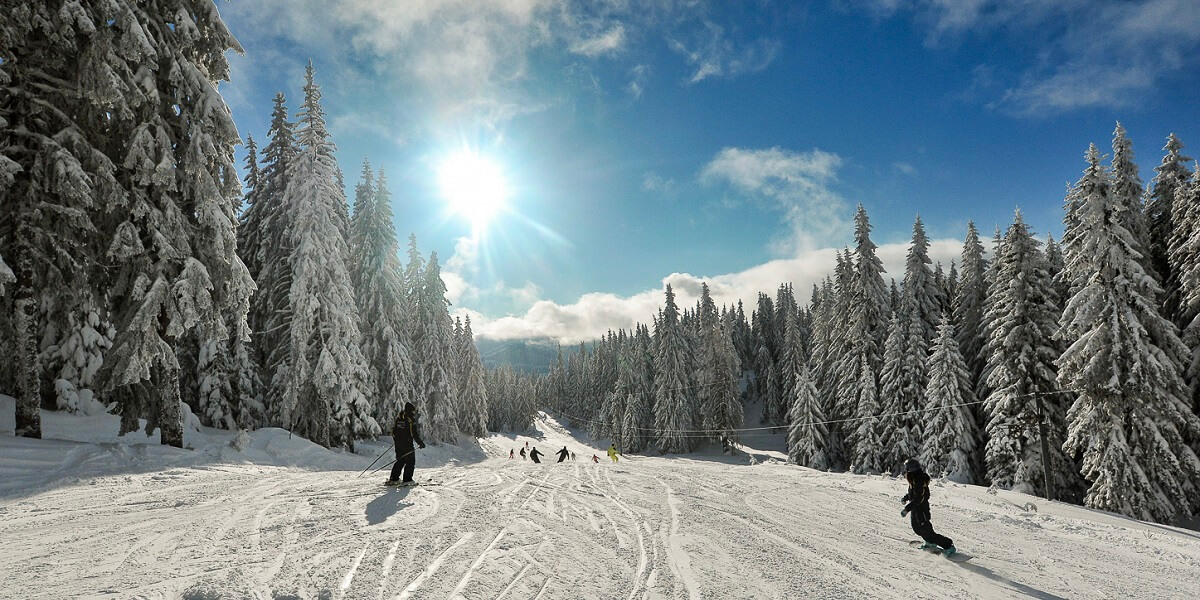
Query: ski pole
x=392 y=462
x=377 y=459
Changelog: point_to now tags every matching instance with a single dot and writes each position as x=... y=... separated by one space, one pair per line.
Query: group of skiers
x=563 y=454
x=407 y=429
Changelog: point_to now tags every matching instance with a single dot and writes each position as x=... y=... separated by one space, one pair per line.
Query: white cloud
x=594 y=314
x=609 y=42
x=712 y=53
x=653 y=182
x=798 y=182
x=903 y=167
x=1090 y=54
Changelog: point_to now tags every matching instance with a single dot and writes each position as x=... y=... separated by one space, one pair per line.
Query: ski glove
x=904 y=512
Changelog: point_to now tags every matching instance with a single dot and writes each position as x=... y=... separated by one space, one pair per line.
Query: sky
x=646 y=142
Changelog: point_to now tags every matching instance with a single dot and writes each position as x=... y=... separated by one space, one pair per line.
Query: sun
x=473 y=186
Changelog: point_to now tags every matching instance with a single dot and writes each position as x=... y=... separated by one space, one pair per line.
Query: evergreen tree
x=717 y=376
x=59 y=76
x=1021 y=353
x=326 y=388
x=265 y=241
x=1185 y=261
x=867 y=328
x=919 y=283
x=638 y=422
x=867 y=444
x=806 y=429
x=673 y=410
x=174 y=235
x=949 y=442
x=1126 y=188
x=1130 y=418
x=902 y=385
x=1165 y=231
x=436 y=395
x=375 y=274
x=472 y=394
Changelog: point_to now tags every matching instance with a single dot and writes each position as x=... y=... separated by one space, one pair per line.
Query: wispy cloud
x=609 y=42
x=1109 y=53
x=797 y=182
x=904 y=168
x=713 y=53
x=594 y=314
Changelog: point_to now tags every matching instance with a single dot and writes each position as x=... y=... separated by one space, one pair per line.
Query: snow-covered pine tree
x=59 y=75
x=1160 y=214
x=868 y=448
x=436 y=397
x=326 y=388
x=473 y=400
x=375 y=272
x=1130 y=419
x=1021 y=353
x=1056 y=263
x=265 y=242
x=919 y=283
x=949 y=441
x=76 y=354
x=970 y=301
x=1185 y=262
x=806 y=429
x=638 y=423
x=867 y=328
x=1127 y=189
x=174 y=236
x=672 y=395
x=902 y=386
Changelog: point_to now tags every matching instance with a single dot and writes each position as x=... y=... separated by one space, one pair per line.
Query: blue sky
x=679 y=141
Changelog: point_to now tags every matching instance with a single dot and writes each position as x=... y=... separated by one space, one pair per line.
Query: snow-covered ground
x=90 y=515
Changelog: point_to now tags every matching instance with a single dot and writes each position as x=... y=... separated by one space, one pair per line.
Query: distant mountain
x=534 y=355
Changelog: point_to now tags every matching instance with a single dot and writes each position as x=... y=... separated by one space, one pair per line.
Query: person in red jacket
x=917 y=500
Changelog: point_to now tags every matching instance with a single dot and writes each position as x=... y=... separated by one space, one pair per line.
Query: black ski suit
x=563 y=454
x=534 y=454
x=405 y=431
x=918 y=508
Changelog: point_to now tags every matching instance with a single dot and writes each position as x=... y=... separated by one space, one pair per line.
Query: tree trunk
x=28 y=409
x=170 y=423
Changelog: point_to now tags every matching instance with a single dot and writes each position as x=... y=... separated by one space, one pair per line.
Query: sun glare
x=473 y=186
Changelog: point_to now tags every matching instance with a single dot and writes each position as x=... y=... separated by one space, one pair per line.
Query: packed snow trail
x=645 y=528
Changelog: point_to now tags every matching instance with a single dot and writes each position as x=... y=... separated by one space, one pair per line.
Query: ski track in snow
x=649 y=528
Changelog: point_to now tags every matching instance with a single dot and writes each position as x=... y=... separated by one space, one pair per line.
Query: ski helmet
x=911 y=465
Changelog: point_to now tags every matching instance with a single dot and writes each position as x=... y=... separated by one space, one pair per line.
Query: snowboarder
x=405 y=430
x=522 y=454
x=511 y=453
x=534 y=454
x=917 y=500
x=612 y=452
x=563 y=454
x=595 y=459
x=572 y=456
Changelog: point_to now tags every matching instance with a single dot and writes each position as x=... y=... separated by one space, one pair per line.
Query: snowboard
x=958 y=556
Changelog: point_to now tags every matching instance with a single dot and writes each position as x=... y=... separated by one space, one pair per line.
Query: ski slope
x=91 y=515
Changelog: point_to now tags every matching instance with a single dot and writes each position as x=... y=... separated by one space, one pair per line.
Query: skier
x=595 y=459
x=563 y=454
x=534 y=454
x=405 y=430
x=918 y=504
x=612 y=452
x=522 y=454
x=511 y=453
x=572 y=456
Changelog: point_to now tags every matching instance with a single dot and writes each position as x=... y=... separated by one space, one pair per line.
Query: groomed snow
x=86 y=514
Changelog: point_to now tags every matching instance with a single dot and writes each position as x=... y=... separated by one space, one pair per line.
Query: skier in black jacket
x=405 y=431
x=534 y=454
x=917 y=500
x=563 y=454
